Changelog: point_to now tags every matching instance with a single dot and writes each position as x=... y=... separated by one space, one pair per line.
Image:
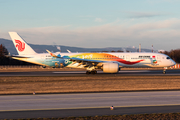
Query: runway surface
x=88 y=104
x=82 y=73
x=88 y=112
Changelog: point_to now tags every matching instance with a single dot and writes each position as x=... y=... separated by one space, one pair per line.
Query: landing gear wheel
x=92 y=72
x=87 y=72
x=43 y=66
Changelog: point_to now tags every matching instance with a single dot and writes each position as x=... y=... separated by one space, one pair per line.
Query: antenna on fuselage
x=124 y=50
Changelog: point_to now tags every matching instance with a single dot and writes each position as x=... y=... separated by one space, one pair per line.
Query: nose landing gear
x=164 y=71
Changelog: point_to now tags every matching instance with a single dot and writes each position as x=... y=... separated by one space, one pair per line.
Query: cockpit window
x=168 y=58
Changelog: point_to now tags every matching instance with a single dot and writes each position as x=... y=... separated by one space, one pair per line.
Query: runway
x=88 y=112
x=88 y=104
x=83 y=73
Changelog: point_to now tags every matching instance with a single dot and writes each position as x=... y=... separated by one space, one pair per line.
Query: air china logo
x=20 y=45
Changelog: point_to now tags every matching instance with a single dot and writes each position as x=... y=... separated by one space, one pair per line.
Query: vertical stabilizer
x=21 y=46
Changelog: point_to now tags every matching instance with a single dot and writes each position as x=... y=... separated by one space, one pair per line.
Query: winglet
x=53 y=55
x=68 y=51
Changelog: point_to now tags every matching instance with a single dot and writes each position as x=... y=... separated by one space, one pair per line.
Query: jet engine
x=110 y=67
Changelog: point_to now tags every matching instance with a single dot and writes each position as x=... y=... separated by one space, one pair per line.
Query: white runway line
x=70 y=72
x=124 y=71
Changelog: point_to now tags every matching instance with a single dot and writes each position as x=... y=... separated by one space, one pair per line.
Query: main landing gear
x=91 y=72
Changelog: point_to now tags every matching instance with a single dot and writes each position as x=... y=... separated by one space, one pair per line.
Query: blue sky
x=93 y=23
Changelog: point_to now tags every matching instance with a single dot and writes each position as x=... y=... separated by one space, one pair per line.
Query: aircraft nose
x=172 y=63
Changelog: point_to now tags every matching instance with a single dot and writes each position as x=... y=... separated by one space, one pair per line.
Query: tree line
x=4 y=60
x=174 y=54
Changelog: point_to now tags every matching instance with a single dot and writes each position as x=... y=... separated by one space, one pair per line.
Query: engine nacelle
x=110 y=67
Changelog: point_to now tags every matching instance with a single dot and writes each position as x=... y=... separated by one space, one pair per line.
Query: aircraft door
x=42 y=58
x=158 y=58
x=127 y=58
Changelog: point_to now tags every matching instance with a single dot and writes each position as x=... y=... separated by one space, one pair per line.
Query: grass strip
x=160 y=116
x=28 y=85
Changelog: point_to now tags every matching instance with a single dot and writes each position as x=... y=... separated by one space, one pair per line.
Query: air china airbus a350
x=108 y=62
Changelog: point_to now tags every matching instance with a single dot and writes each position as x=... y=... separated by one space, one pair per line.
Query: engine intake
x=110 y=67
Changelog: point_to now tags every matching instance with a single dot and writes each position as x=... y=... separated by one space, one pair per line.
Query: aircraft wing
x=84 y=60
x=88 y=64
x=75 y=59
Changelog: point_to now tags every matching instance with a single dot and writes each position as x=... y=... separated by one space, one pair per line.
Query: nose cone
x=173 y=63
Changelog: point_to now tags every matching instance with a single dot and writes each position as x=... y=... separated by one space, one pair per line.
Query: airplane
x=111 y=62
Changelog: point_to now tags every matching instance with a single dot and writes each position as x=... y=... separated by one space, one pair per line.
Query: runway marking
x=65 y=72
x=134 y=71
x=20 y=99
x=108 y=107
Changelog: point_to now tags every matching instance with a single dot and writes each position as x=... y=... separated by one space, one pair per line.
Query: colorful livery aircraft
x=108 y=62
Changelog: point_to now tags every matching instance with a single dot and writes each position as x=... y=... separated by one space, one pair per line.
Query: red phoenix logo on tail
x=20 y=45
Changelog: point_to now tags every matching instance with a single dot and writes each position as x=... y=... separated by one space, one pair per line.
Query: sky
x=93 y=23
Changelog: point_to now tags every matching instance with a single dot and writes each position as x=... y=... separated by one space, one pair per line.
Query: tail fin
x=21 y=46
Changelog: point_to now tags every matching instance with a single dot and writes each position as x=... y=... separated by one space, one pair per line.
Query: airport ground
x=84 y=83
x=89 y=104
x=75 y=81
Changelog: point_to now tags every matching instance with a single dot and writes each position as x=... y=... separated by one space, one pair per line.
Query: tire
x=93 y=72
x=87 y=72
